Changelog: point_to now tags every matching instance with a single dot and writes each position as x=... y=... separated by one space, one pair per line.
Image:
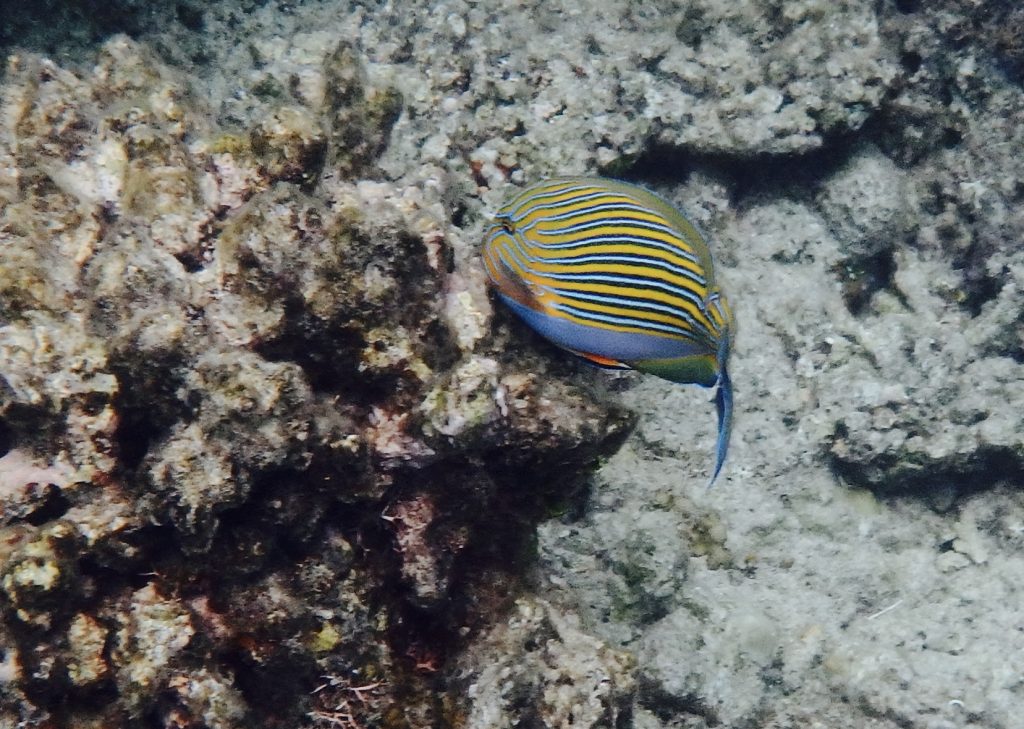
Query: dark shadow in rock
x=772 y=176
x=979 y=287
x=61 y=28
x=147 y=404
x=951 y=478
x=7 y=440
x=862 y=278
x=670 y=707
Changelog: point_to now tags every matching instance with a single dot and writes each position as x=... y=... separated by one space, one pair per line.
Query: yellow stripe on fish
x=615 y=274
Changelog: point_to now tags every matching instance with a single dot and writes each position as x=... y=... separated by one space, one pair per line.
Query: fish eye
x=506 y=225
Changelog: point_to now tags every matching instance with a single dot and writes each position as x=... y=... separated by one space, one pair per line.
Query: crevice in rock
x=140 y=424
x=53 y=505
x=134 y=435
x=766 y=175
x=862 y=278
x=908 y=6
x=329 y=358
x=979 y=287
x=7 y=440
x=38 y=25
x=892 y=474
x=667 y=706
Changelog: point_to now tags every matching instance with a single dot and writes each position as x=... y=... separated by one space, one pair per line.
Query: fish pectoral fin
x=516 y=289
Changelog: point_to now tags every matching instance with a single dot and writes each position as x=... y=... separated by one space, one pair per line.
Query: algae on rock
x=227 y=381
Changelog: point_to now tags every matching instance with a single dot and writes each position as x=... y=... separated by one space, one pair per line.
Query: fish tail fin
x=723 y=403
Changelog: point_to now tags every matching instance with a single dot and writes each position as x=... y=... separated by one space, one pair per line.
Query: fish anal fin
x=602 y=362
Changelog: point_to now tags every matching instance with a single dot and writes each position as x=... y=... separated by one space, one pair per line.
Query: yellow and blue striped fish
x=616 y=275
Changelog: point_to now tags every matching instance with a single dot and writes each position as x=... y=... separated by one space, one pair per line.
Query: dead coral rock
x=155 y=670
x=421 y=566
x=203 y=699
x=360 y=118
x=521 y=450
x=247 y=420
x=986 y=29
x=39 y=576
x=866 y=204
x=28 y=487
x=1009 y=29
x=44 y=579
x=703 y=77
x=147 y=645
x=931 y=399
x=52 y=408
x=138 y=301
x=337 y=270
x=243 y=363
x=35 y=352
x=109 y=526
x=538 y=666
x=291 y=146
x=195 y=477
x=115 y=143
x=288 y=629
x=548 y=423
x=87 y=665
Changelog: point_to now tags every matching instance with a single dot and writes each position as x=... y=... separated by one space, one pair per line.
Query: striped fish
x=616 y=275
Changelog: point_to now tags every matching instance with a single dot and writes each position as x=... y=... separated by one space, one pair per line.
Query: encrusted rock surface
x=869 y=513
x=256 y=429
x=268 y=459
x=538 y=668
x=592 y=84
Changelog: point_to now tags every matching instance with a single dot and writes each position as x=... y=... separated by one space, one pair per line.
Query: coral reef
x=268 y=459
x=255 y=428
